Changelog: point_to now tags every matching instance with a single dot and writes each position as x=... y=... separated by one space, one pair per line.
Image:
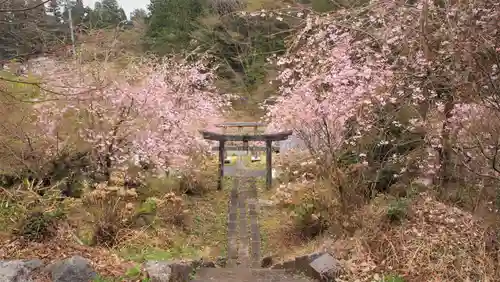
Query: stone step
x=247 y=275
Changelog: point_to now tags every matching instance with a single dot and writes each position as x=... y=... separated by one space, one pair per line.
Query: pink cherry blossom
x=148 y=111
x=364 y=63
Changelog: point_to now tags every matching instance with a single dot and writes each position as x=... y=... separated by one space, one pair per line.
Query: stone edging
x=319 y=266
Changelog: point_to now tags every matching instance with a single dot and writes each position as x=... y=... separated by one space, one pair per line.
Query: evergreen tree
x=138 y=15
x=77 y=12
x=106 y=14
x=55 y=8
x=29 y=31
x=171 y=23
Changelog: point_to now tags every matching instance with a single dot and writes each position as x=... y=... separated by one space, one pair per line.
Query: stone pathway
x=247 y=275
x=243 y=235
x=253 y=209
x=232 y=227
x=243 y=226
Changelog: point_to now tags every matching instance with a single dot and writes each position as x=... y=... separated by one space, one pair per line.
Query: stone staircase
x=243 y=243
x=243 y=238
x=247 y=275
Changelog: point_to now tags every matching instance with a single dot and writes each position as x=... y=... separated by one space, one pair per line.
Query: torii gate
x=245 y=138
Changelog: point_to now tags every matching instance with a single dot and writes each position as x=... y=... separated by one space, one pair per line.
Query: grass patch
x=132 y=274
x=10 y=214
x=209 y=222
x=151 y=253
x=205 y=235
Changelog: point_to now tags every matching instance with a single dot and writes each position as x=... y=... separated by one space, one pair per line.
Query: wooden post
x=254 y=153
x=221 y=164
x=225 y=153
x=245 y=145
x=269 y=163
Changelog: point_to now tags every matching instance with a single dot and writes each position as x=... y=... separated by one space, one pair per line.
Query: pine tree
x=55 y=9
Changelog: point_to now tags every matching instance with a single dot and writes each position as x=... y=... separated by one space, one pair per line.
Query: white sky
x=127 y=5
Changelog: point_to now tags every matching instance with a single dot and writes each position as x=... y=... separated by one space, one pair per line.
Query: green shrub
x=308 y=220
x=10 y=212
x=398 y=210
x=146 y=214
x=38 y=226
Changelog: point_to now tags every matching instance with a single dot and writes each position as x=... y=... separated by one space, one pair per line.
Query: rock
x=18 y=270
x=302 y=264
x=158 y=271
x=203 y=263
x=73 y=269
x=426 y=182
x=209 y=264
x=321 y=266
x=266 y=262
x=164 y=271
x=326 y=267
x=266 y=203
x=180 y=272
x=221 y=261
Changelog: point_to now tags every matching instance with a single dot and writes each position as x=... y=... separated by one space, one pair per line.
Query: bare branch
x=24 y=9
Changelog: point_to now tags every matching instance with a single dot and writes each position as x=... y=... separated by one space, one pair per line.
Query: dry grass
x=435 y=242
x=413 y=238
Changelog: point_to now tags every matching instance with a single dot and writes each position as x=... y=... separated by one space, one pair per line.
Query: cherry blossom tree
x=149 y=111
x=322 y=90
x=391 y=65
